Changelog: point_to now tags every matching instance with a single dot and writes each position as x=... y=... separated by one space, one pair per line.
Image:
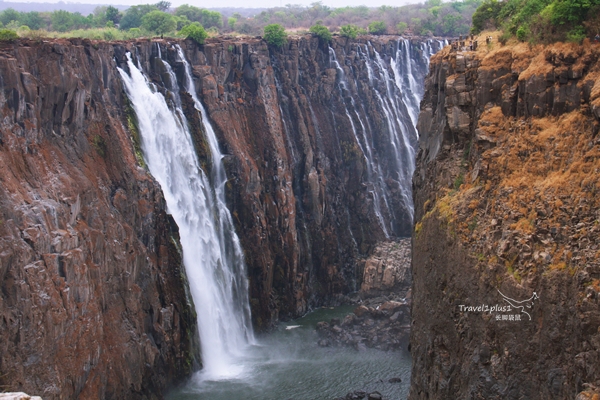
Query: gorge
x=127 y=165
x=309 y=146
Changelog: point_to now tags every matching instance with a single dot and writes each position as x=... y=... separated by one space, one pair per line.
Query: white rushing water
x=397 y=90
x=212 y=254
x=234 y=364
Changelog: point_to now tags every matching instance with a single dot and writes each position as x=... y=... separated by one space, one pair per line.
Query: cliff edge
x=93 y=300
x=506 y=263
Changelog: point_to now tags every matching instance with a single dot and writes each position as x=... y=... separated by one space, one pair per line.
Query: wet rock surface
x=387 y=269
x=383 y=326
x=300 y=195
x=90 y=266
x=381 y=319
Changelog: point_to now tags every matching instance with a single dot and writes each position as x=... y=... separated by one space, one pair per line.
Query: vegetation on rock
x=7 y=34
x=275 y=35
x=321 y=31
x=377 y=28
x=351 y=31
x=542 y=21
x=431 y=17
x=195 y=32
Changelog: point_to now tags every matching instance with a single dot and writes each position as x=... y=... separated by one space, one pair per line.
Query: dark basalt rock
x=385 y=327
x=479 y=126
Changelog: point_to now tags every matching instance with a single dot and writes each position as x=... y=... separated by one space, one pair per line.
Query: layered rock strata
x=506 y=272
x=93 y=301
x=299 y=191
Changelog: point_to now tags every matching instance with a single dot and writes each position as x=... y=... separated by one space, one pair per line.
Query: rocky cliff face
x=93 y=301
x=506 y=210
x=306 y=200
x=94 y=298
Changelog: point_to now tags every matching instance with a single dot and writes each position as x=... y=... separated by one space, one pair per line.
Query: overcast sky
x=243 y=3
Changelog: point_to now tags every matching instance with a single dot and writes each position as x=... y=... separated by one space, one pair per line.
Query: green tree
x=159 y=22
x=135 y=32
x=571 y=11
x=192 y=13
x=182 y=21
x=401 y=27
x=486 y=15
x=211 y=18
x=377 y=28
x=33 y=20
x=349 y=31
x=451 y=24
x=231 y=22
x=9 y=15
x=322 y=32
x=113 y=14
x=133 y=16
x=62 y=21
x=194 y=31
x=163 y=5
x=275 y=35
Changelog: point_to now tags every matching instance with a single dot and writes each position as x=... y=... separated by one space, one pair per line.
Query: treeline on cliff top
x=107 y=22
x=540 y=21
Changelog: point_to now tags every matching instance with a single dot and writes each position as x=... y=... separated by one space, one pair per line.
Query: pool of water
x=288 y=364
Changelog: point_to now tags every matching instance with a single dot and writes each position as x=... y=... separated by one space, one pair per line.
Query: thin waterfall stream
x=287 y=363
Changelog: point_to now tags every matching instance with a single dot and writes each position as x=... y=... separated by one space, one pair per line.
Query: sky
x=240 y=3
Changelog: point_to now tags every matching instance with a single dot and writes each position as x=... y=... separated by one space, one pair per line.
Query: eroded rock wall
x=506 y=204
x=93 y=301
x=93 y=291
x=299 y=190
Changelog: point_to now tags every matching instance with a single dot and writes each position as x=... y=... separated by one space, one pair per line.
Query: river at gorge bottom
x=289 y=364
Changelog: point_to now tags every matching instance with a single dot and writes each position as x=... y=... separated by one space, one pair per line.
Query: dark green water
x=288 y=364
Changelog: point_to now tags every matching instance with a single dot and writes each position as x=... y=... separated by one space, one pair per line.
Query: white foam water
x=212 y=253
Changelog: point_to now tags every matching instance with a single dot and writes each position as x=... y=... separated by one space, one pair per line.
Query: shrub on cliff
x=322 y=32
x=8 y=34
x=195 y=32
x=486 y=16
x=377 y=28
x=350 y=31
x=275 y=35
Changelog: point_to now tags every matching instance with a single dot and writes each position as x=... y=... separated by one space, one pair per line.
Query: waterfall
x=399 y=94
x=212 y=253
x=374 y=174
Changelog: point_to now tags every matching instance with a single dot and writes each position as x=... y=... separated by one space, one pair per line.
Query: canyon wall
x=93 y=301
x=315 y=180
x=506 y=212
x=318 y=151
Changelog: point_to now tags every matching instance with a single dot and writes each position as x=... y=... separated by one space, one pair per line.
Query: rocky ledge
x=384 y=327
x=382 y=318
x=361 y=394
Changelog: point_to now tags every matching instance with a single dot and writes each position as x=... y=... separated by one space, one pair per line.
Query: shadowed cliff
x=506 y=210
x=94 y=298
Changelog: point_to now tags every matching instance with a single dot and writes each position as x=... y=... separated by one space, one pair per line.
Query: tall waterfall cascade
x=212 y=253
x=195 y=197
x=399 y=94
